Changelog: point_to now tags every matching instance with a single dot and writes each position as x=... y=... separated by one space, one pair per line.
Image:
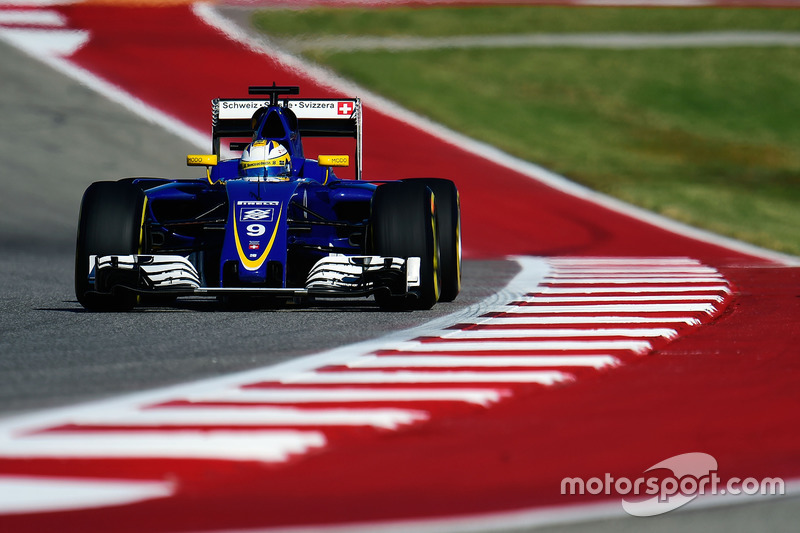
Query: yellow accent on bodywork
x=140 y=249
x=201 y=160
x=334 y=160
x=255 y=264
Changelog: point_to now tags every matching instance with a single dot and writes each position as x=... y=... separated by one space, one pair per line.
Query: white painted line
x=255 y=416
x=625 y=262
x=648 y=274
x=596 y=299
x=635 y=270
x=32 y=17
x=504 y=333
x=568 y=262
x=628 y=280
x=37 y=3
x=648 y=3
x=29 y=494
x=484 y=397
x=489 y=361
x=613 y=308
x=544 y=377
x=268 y=446
x=638 y=346
x=644 y=289
x=613 y=41
x=549 y=320
x=45 y=43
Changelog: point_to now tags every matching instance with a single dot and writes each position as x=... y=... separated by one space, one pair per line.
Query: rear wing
x=316 y=117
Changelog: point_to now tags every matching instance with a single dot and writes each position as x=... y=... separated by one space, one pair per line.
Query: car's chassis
x=300 y=234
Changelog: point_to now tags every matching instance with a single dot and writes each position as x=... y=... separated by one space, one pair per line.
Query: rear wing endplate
x=316 y=117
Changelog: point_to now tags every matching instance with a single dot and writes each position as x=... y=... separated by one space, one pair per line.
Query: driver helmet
x=265 y=160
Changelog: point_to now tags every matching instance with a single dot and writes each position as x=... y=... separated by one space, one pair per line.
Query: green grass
x=706 y=136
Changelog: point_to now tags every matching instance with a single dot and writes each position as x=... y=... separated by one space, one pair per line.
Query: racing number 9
x=256 y=230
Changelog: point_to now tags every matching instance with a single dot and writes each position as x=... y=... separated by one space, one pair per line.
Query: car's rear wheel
x=403 y=224
x=448 y=207
x=111 y=223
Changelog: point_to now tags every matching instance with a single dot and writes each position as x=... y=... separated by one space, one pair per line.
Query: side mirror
x=203 y=160
x=198 y=160
x=334 y=160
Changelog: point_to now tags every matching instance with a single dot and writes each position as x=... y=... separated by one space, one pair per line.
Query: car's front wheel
x=448 y=207
x=110 y=223
x=403 y=224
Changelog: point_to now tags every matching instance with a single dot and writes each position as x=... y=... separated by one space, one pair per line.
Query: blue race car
x=270 y=224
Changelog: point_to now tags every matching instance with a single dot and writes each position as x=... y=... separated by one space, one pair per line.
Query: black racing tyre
x=448 y=207
x=403 y=224
x=111 y=222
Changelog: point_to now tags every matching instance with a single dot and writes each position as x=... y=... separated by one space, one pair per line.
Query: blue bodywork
x=241 y=233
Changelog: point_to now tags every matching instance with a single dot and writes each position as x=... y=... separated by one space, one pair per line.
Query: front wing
x=333 y=276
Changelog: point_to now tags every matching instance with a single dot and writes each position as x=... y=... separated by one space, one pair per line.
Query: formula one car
x=270 y=224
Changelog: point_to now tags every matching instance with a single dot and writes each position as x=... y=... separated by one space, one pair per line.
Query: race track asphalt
x=57 y=137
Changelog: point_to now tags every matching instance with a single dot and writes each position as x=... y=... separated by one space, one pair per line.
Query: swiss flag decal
x=344 y=108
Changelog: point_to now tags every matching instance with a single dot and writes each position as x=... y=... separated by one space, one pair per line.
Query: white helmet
x=265 y=160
